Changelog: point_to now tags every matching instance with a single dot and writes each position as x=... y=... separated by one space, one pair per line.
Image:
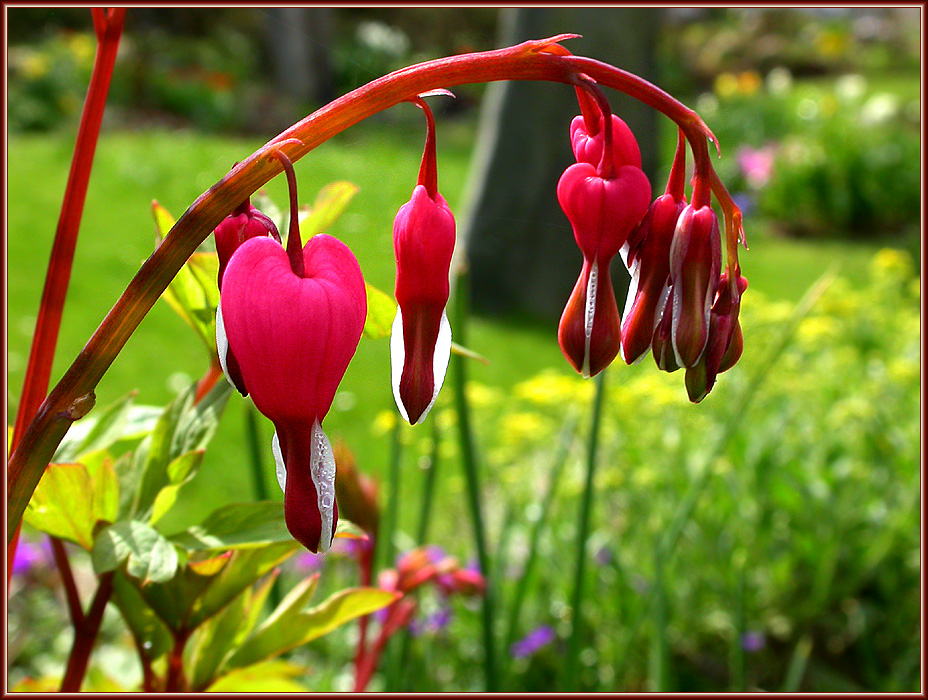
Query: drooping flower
x=725 y=343
x=647 y=258
x=604 y=204
x=243 y=224
x=294 y=318
x=423 y=242
x=695 y=266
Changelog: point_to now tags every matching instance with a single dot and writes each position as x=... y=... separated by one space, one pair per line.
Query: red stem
x=67 y=580
x=366 y=564
x=85 y=634
x=532 y=60
x=294 y=241
x=606 y=168
x=48 y=321
x=677 y=179
x=175 y=681
x=428 y=169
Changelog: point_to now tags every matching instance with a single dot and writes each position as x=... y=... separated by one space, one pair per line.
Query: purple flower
x=431 y=624
x=30 y=555
x=753 y=642
x=532 y=642
x=306 y=561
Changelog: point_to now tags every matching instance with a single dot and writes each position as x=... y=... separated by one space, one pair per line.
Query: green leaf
x=194 y=291
x=270 y=677
x=150 y=557
x=329 y=205
x=153 y=638
x=464 y=352
x=179 y=472
x=282 y=632
x=237 y=526
x=182 y=428
x=71 y=499
x=244 y=568
x=214 y=640
x=381 y=310
x=96 y=432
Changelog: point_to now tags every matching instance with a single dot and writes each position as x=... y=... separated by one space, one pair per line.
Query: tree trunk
x=519 y=246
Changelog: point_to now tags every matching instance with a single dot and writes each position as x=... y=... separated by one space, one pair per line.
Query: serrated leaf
x=270 y=677
x=149 y=556
x=70 y=500
x=330 y=203
x=280 y=634
x=236 y=526
x=381 y=310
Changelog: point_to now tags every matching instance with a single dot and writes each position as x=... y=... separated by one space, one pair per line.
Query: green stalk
x=657 y=660
x=686 y=507
x=469 y=462
x=736 y=652
x=572 y=674
x=253 y=438
x=428 y=488
x=557 y=467
x=384 y=544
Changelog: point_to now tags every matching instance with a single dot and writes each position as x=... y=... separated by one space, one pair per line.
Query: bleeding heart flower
x=423 y=242
x=649 y=265
x=243 y=224
x=725 y=344
x=603 y=212
x=293 y=336
x=695 y=264
x=588 y=148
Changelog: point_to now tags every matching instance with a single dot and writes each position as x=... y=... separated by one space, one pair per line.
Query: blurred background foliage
x=798 y=568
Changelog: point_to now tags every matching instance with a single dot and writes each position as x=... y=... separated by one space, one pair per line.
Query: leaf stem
x=85 y=634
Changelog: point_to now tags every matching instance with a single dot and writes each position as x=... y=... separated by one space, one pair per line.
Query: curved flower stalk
x=423 y=242
x=294 y=317
x=604 y=203
x=543 y=59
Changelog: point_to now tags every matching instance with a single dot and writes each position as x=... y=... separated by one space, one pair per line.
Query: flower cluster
x=680 y=303
x=291 y=315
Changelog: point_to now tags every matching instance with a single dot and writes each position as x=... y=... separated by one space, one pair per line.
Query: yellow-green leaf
x=329 y=205
x=71 y=499
x=381 y=310
x=269 y=677
x=282 y=633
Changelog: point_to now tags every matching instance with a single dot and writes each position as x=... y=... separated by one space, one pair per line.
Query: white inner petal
x=440 y=358
x=222 y=344
x=635 y=271
x=322 y=471
x=397 y=360
x=590 y=315
x=279 y=462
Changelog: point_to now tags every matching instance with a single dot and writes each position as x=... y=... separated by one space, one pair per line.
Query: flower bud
x=695 y=262
x=649 y=265
x=588 y=148
x=420 y=344
x=355 y=493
